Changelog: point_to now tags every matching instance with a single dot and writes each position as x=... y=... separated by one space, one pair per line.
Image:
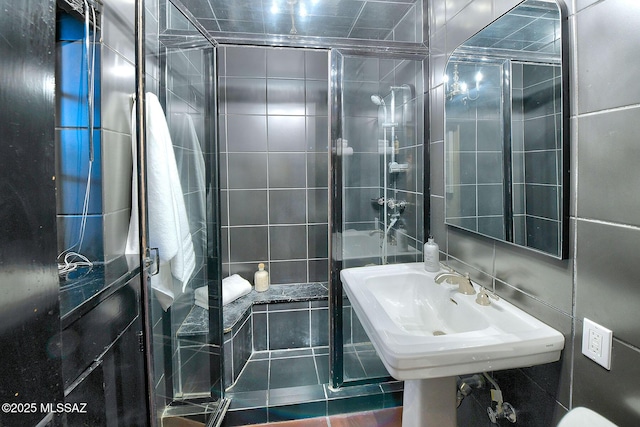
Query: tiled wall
x=274 y=141
x=599 y=278
x=275 y=326
x=72 y=142
x=363 y=171
x=117 y=85
x=537 y=150
x=110 y=196
x=475 y=153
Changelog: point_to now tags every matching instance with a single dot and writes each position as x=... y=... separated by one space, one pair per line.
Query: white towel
x=233 y=287
x=202 y=297
x=168 y=224
x=191 y=164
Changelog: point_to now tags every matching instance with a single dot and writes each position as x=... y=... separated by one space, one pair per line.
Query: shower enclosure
x=314 y=166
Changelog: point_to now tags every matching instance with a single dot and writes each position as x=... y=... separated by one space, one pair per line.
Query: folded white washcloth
x=233 y=287
x=202 y=293
x=202 y=297
x=202 y=304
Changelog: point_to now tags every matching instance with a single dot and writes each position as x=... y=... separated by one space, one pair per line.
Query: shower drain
x=436 y=333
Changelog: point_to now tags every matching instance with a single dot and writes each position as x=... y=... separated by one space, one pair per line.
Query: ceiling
x=534 y=26
x=386 y=20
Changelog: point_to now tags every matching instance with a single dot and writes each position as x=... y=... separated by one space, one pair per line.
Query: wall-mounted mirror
x=506 y=140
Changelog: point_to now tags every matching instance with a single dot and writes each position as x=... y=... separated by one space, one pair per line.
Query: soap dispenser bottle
x=261 y=279
x=431 y=256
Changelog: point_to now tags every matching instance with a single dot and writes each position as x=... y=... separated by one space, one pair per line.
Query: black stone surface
x=197 y=321
x=86 y=287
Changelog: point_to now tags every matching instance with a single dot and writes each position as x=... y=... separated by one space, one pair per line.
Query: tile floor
x=282 y=385
x=268 y=370
x=391 y=417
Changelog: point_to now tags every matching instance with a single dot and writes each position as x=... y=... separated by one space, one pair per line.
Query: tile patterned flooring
x=268 y=370
x=282 y=385
x=391 y=417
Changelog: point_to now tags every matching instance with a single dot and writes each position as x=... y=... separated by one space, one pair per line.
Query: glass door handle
x=152 y=261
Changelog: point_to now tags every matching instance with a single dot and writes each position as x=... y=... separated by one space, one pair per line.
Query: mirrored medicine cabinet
x=506 y=130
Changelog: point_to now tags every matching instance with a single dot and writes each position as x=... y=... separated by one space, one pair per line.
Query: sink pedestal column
x=429 y=403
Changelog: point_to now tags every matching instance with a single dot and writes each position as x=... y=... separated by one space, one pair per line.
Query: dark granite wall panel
x=29 y=319
x=88 y=337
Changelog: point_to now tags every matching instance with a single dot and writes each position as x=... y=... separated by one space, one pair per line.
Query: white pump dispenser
x=431 y=256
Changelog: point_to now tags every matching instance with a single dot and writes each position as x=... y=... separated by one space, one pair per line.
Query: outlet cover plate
x=597 y=342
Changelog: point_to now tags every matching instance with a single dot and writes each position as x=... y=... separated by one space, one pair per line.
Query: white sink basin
x=426 y=330
x=428 y=333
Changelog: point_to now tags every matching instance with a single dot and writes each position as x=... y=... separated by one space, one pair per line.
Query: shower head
x=377 y=99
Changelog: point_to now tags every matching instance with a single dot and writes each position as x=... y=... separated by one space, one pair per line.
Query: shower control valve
x=396 y=204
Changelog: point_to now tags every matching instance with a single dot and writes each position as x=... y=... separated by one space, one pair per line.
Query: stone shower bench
x=192 y=335
x=197 y=321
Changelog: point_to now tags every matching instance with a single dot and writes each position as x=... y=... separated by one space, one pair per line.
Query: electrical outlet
x=597 y=342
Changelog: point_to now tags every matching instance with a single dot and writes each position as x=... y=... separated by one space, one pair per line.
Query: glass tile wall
x=274 y=141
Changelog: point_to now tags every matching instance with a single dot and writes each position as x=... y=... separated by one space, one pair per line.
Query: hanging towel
x=167 y=216
x=190 y=161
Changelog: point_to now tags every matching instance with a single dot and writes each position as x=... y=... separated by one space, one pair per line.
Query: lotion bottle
x=431 y=256
x=261 y=279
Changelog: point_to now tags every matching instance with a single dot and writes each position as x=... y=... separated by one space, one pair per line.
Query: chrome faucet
x=464 y=282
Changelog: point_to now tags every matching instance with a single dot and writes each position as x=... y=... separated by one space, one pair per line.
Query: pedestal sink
x=427 y=334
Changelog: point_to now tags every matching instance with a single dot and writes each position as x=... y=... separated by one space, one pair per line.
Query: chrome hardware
x=155 y=260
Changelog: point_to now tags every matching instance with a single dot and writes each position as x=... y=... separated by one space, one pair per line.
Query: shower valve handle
x=393 y=204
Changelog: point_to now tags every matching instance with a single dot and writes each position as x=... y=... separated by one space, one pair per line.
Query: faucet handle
x=484 y=295
x=465 y=287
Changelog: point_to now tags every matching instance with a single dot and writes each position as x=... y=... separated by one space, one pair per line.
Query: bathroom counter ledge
x=85 y=288
x=197 y=322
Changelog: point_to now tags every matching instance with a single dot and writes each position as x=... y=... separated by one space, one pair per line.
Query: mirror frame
x=565 y=164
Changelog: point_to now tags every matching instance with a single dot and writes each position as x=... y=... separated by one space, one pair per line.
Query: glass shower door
x=377 y=204
x=186 y=330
